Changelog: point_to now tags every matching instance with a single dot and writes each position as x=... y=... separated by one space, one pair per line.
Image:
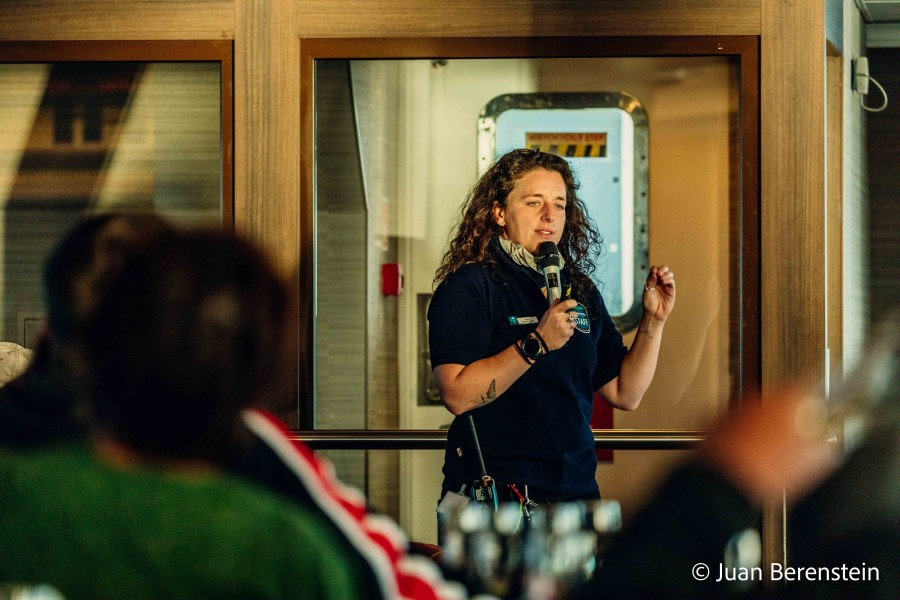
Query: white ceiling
x=880 y=11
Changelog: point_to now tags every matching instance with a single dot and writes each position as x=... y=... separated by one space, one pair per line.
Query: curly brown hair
x=580 y=244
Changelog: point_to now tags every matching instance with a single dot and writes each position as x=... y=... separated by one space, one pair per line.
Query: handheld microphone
x=548 y=262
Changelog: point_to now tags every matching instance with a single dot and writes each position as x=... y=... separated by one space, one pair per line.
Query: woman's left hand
x=659 y=293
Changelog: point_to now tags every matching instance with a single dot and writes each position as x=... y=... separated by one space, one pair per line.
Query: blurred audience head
x=86 y=261
x=46 y=403
x=185 y=338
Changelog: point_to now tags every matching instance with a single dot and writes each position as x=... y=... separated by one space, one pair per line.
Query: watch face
x=532 y=348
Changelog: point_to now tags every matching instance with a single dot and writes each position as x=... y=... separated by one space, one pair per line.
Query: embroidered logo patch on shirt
x=582 y=322
x=522 y=320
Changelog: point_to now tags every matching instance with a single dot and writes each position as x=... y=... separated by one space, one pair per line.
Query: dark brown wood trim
x=227 y=116
x=106 y=50
x=533 y=47
x=307 y=206
x=751 y=315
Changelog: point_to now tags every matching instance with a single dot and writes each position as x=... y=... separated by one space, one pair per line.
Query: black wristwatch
x=533 y=347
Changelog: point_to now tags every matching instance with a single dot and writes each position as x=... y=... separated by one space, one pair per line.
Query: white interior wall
x=855 y=197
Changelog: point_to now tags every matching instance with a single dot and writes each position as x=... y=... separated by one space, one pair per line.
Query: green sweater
x=94 y=531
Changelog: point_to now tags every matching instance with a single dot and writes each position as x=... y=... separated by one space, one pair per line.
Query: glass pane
x=396 y=153
x=77 y=138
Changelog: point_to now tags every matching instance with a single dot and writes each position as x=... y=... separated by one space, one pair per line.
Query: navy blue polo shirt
x=538 y=431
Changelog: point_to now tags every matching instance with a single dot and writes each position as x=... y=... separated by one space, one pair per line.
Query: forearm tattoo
x=491 y=394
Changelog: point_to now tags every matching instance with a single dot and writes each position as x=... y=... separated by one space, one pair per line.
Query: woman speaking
x=524 y=372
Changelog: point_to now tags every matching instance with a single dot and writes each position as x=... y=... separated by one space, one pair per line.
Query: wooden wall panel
x=116 y=19
x=792 y=135
x=267 y=126
x=398 y=18
x=792 y=82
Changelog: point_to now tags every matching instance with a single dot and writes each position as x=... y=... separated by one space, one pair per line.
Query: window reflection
x=79 y=137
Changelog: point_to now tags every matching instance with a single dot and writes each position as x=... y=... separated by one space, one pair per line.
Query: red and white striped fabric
x=377 y=538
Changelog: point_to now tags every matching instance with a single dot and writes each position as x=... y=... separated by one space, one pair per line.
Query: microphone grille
x=548 y=255
x=547 y=248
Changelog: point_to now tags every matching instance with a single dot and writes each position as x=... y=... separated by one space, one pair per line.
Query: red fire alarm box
x=391 y=279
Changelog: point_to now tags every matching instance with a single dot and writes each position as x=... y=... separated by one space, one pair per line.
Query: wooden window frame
x=221 y=51
x=745 y=301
